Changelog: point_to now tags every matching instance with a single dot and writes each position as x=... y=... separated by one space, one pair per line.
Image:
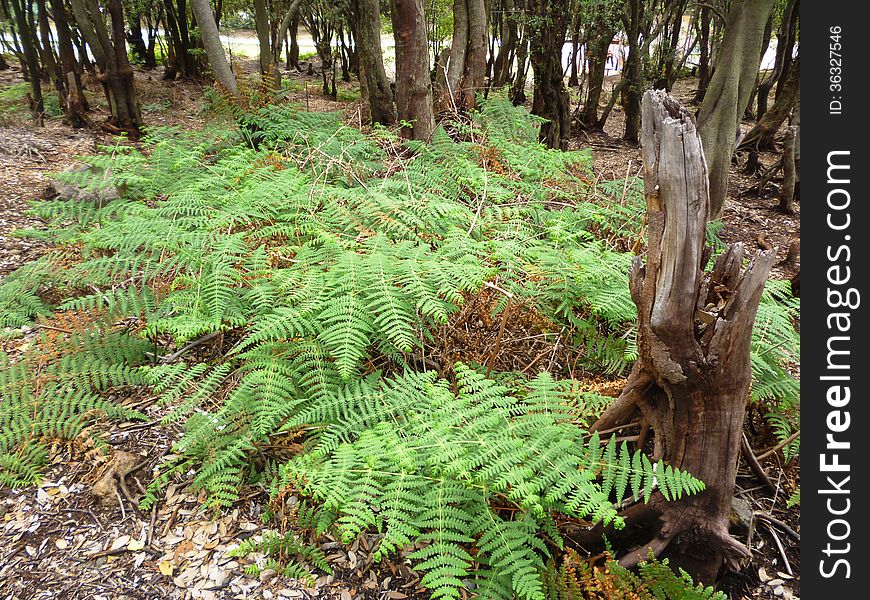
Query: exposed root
x=657 y=545
x=625 y=407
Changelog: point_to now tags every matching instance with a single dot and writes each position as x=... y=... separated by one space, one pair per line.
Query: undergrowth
x=317 y=265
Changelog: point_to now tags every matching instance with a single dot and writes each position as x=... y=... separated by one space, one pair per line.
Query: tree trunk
x=691 y=380
x=762 y=134
x=372 y=75
x=292 y=12
x=135 y=39
x=126 y=117
x=573 y=77
x=502 y=67
x=413 y=84
x=704 y=60
x=448 y=78
x=49 y=61
x=729 y=91
x=550 y=100
x=783 y=46
x=269 y=71
x=474 y=72
x=789 y=172
x=217 y=59
x=31 y=60
x=518 y=89
x=633 y=73
x=596 y=60
x=76 y=104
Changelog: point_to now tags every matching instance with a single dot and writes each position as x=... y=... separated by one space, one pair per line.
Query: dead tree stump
x=691 y=381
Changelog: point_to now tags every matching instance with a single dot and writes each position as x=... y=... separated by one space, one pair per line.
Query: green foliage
x=13 y=102
x=284 y=554
x=419 y=462
x=775 y=349
x=312 y=266
x=576 y=578
x=56 y=395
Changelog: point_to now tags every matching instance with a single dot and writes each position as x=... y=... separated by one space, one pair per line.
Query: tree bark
x=372 y=75
x=789 y=172
x=633 y=73
x=550 y=100
x=217 y=59
x=596 y=59
x=693 y=373
x=704 y=59
x=502 y=66
x=76 y=104
x=126 y=117
x=448 y=77
x=762 y=134
x=31 y=60
x=269 y=71
x=729 y=91
x=474 y=72
x=413 y=84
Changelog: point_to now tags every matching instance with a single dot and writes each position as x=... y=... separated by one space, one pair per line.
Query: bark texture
x=729 y=91
x=762 y=133
x=692 y=378
x=213 y=47
x=413 y=84
x=269 y=72
x=550 y=100
x=373 y=77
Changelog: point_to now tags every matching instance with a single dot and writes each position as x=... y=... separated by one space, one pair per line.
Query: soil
x=60 y=540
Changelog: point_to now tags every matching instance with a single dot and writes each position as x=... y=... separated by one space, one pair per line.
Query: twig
x=53 y=328
x=781 y=549
x=151 y=524
x=504 y=316
x=753 y=464
x=197 y=342
x=778 y=523
x=171 y=520
x=780 y=445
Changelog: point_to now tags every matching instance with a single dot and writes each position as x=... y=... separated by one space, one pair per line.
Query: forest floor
x=58 y=540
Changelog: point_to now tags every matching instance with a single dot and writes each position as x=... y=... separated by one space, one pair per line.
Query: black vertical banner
x=835 y=425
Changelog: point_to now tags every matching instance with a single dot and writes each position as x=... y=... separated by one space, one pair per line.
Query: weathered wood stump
x=691 y=381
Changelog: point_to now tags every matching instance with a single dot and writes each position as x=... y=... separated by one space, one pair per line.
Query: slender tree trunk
x=413 y=84
x=596 y=57
x=729 y=91
x=704 y=60
x=268 y=68
x=76 y=104
x=125 y=116
x=293 y=47
x=474 y=72
x=783 y=46
x=762 y=134
x=518 y=89
x=135 y=39
x=372 y=75
x=217 y=59
x=49 y=61
x=447 y=80
x=502 y=66
x=692 y=377
x=633 y=73
x=550 y=99
x=31 y=60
